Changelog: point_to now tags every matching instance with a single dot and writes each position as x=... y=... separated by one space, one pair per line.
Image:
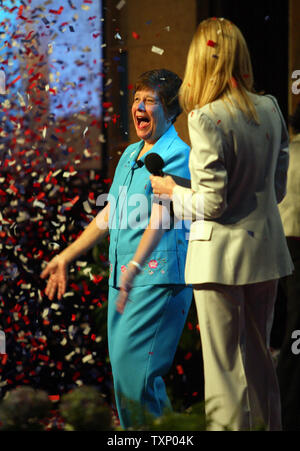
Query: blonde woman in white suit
x=237 y=248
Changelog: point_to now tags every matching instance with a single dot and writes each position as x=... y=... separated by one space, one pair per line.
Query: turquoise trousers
x=142 y=343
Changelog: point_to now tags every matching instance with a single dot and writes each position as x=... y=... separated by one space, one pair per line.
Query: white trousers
x=241 y=388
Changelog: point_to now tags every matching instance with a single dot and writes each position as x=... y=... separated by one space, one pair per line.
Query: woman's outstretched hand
x=56 y=270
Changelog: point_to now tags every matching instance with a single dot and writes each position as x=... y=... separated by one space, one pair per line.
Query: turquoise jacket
x=131 y=198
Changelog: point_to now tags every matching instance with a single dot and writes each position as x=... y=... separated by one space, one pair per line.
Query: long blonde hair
x=218 y=67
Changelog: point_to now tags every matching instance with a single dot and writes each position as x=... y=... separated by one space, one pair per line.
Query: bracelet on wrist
x=136 y=264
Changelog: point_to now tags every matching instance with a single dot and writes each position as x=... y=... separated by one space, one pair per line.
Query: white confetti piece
x=87 y=358
x=23 y=258
x=120 y=4
x=39 y=204
x=69 y=356
x=157 y=50
x=87 y=207
x=26 y=286
x=22 y=216
x=69 y=294
x=87 y=153
x=81 y=263
x=64 y=341
x=117 y=36
x=45 y=313
x=86 y=330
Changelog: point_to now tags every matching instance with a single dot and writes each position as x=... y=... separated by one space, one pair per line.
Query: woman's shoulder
x=224 y=110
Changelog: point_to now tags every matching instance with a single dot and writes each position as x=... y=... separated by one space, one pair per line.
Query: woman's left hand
x=162 y=185
x=125 y=288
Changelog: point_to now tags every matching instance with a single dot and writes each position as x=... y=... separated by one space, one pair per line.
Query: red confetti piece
x=73 y=201
x=14 y=81
x=107 y=104
x=179 y=369
x=28 y=36
x=45 y=358
x=54 y=397
x=4 y=359
x=211 y=43
x=52 y=11
x=135 y=35
x=97 y=279
x=48 y=176
x=234 y=83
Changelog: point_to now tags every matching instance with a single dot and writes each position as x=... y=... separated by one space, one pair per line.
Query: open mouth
x=142 y=121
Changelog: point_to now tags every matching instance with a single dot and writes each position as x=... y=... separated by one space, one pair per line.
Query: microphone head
x=154 y=163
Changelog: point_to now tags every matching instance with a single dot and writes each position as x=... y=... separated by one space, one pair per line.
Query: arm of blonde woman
x=57 y=268
x=208 y=198
x=150 y=239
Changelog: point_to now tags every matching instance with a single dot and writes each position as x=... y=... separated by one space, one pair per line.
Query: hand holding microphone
x=162 y=183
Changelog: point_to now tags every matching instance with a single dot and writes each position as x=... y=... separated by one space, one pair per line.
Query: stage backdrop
x=51 y=55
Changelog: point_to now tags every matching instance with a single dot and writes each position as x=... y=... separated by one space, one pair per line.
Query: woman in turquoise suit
x=148 y=299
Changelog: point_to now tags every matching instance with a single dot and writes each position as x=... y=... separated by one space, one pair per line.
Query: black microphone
x=154 y=163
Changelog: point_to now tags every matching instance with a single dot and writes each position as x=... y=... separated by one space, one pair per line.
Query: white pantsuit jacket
x=238 y=176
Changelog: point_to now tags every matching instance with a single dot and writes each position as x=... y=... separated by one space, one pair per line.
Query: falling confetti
x=211 y=43
x=157 y=50
x=120 y=4
x=43 y=208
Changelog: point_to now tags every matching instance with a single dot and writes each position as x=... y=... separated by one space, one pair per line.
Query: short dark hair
x=294 y=120
x=166 y=83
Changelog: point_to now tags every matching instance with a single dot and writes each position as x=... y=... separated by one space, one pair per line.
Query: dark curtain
x=264 y=23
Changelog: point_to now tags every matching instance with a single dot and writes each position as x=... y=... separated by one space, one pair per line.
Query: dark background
x=265 y=27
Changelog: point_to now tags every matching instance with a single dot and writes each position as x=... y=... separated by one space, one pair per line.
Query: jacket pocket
x=201 y=230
